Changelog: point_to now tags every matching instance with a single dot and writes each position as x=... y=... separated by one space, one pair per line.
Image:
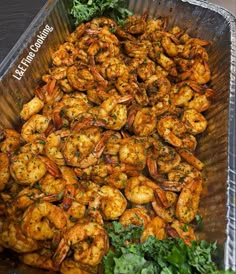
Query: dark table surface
x=15 y=16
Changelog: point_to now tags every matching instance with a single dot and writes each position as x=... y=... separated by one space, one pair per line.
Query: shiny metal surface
x=217 y=145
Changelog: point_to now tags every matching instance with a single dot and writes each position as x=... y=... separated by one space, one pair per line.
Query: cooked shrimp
x=74 y=213
x=133 y=151
x=188 y=201
x=27 y=168
x=77 y=33
x=86 y=191
x=36 y=259
x=113 y=68
x=32 y=107
x=185 y=173
x=156 y=227
x=4 y=170
x=38 y=219
x=146 y=69
x=135 y=216
x=113 y=203
x=65 y=55
x=190 y=158
x=99 y=22
x=164 y=207
x=28 y=196
x=35 y=127
x=35 y=147
x=140 y=190
x=144 y=122
x=194 y=121
x=171 y=128
x=83 y=77
x=182 y=230
x=113 y=112
x=70 y=266
x=11 y=236
x=91 y=253
x=79 y=146
x=54 y=145
x=50 y=92
x=11 y=142
x=51 y=185
x=137 y=49
x=200 y=102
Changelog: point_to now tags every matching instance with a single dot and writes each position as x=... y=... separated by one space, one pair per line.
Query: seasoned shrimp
x=140 y=190
x=54 y=144
x=38 y=219
x=112 y=68
x=77 y=33
x=4 y=170
x=90 y=241
x=40 y=259
x=99 y=22
x=86 y=191
x=179 y=229
x=133 y=151
x=137 y=49
x=50 y=92
x=32 y=107
x=113 y=203
x=51 y=185
x=185 y=173
x=188 y=201
x=156 y=227
x=11 y=142
x=143 y=123
x=112 y=111
x=80 y=145
x=194 y=121
x=35 y=127
x=65 y=55
x=11 y=236
x=190 y=158
x=166 y=157
x=83 y=77
x=35 y=147
x=135 y=216
x=74 y=213
x=164 y=206
x=70 y=266
x=171 y=128
x=27 y=168
x=146 y=69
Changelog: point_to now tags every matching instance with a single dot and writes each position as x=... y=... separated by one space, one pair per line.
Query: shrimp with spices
x=156 y=227
x=34 y=106
x=188 y=201
x=40 y=259
x=90 y=243
x=27 y=168
x=35 y=128
x=136 y=216
x=140 y=190
x=113 y=203
x=4 y=170
x=11 y=141
x=11 y=236
x=41 y=220
x=194 y=121
x=182 y=230
x=171 y=128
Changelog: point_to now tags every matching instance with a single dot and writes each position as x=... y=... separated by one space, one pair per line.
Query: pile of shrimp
x=110 y=134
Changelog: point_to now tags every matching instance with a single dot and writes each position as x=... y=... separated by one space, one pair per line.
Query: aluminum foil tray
x=21 y=71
